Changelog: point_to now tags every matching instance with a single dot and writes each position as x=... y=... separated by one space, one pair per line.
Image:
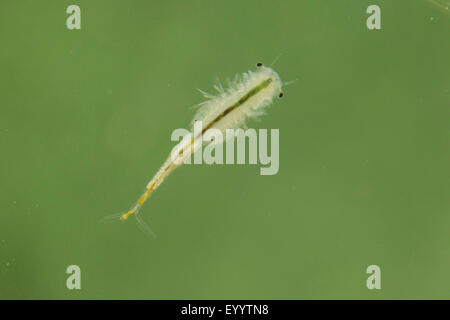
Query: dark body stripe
x=240 y=102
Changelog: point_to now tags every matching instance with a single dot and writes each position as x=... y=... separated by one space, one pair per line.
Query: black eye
x=259 y=64
x=281 y=95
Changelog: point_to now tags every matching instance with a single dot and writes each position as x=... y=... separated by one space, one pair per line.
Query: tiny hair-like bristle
x=246 y=97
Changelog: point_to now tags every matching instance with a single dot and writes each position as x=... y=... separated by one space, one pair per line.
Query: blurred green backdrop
x=86 y=117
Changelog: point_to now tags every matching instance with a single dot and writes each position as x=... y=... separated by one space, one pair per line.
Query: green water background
x=86 y=118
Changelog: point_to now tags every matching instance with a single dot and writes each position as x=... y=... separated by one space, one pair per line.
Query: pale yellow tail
x=127 y=214
x=124 y=217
